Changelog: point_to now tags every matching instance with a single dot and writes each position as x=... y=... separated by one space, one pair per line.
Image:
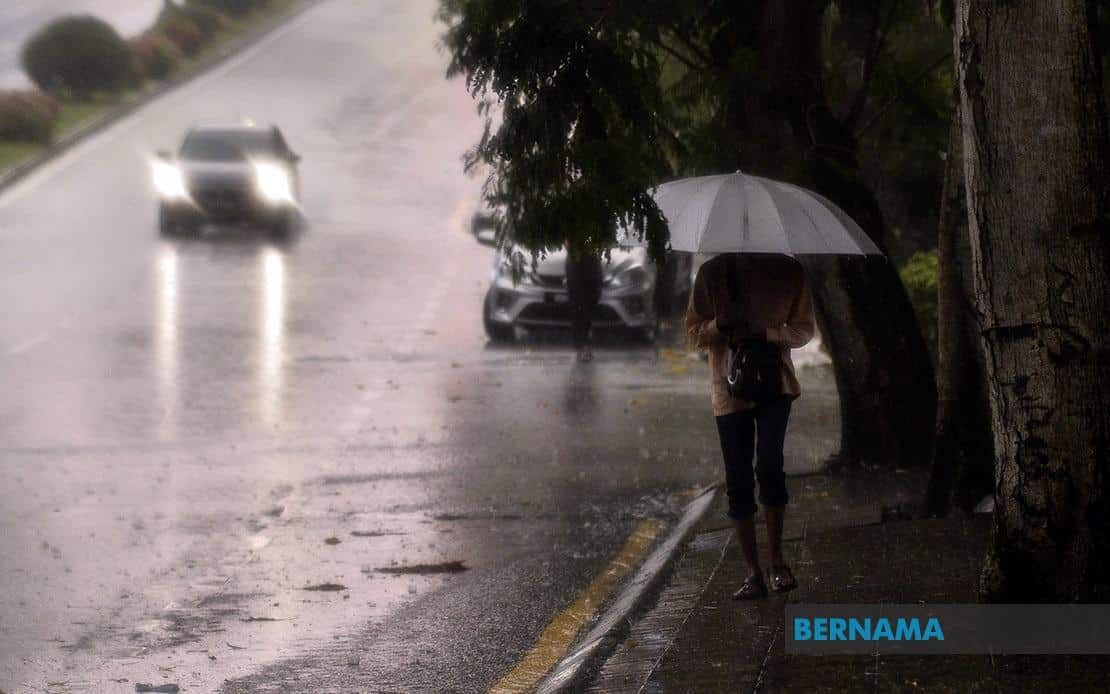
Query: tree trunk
x=883 y=371
x=1035 y=145
x=963 y=462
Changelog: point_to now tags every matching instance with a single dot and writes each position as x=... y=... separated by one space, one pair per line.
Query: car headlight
x=169 y=181
x=273 y=182
x=635 y=276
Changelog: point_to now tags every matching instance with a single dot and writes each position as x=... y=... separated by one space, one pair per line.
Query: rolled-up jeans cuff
x=741 y=512
x=775 y=501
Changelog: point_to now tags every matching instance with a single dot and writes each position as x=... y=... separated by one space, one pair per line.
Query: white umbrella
x=738 y=213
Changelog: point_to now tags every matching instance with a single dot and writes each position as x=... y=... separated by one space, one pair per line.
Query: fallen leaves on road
x=446 y=567
x=326 y=587
x=331 y=541
x=159 y=688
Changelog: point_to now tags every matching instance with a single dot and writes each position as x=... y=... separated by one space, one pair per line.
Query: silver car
x=538 y=299
x=228 y=173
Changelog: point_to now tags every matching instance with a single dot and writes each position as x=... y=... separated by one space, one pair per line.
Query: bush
x=157 y=56
x=79 y=56
x=919 y=275
x=208 y=20
x=235 y=8
x=182 y=31
x=28 y=116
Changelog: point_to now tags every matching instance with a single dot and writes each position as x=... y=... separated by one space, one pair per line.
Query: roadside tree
x=1035 y=148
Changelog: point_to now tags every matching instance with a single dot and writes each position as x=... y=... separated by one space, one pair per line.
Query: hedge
x=235 y=8
x=183 y=31
x=28 y=116
x=208 y=20
x=79 y=56
x=156 y=55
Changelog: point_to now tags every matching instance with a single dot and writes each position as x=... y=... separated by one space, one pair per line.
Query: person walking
x=761 y=298
x=584 y=278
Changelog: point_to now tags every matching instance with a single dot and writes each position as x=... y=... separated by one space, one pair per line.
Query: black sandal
x=782 y=579
x=753 y=588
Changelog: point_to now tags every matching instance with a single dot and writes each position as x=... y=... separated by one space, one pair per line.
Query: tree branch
x=879 y=33
x=940 y=60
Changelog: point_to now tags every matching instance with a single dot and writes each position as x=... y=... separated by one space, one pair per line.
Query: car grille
x=222 y=202
x=557 y=281
x=560 y=313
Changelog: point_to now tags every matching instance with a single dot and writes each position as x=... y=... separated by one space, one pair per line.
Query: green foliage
x=889 y=72
x=156 y=56
x=919 y=275
x=234 y=8
x=602 y=100
x=27 y=116
x=79 y=56
x=578 y=141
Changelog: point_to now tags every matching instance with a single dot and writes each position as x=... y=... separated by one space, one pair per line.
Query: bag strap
x=733 y=280
x=730 y=274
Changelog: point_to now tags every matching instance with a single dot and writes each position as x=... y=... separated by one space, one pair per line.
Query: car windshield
x=226 y=145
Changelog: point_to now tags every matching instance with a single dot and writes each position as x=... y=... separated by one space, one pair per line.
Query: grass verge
x=76 y=115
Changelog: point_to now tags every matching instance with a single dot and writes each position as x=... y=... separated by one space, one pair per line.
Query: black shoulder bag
x=754 y=365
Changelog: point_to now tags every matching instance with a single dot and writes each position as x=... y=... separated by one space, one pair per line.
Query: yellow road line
x=561 y=632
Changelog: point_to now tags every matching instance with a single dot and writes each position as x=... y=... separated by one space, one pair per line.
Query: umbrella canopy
x=738 y=213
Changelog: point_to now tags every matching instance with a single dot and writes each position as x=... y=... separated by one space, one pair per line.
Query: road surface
x=196 y=432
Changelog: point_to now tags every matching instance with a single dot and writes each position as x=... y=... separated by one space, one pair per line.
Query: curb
x=69 y=141
x=573 y=668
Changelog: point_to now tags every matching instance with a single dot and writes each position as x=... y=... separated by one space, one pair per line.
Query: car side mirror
x=486 y=237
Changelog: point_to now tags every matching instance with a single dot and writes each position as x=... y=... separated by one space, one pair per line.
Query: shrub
x=208 y=20
x=156 y=55
x=182 y=31
x=919 y=275
x=28 y=116
x=79 y=56
x=235 y=8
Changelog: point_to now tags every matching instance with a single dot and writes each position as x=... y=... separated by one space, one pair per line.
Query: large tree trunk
x=880 y=360
x=963 y=462
x=1035 y=145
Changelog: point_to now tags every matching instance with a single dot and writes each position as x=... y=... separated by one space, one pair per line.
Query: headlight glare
x=169 y=181
x=273 y=182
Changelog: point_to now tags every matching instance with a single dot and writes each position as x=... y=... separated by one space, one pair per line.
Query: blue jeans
x=761 y=432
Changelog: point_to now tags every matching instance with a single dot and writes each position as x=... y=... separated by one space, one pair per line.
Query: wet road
x=195 y=431
x=19 y=19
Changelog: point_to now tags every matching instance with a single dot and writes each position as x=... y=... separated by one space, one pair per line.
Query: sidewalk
x=847 y=544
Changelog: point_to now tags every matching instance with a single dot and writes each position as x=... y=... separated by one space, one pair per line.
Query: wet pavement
x=848 y=540
x=231 y=462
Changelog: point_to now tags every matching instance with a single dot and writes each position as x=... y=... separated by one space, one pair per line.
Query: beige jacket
x=773 y=296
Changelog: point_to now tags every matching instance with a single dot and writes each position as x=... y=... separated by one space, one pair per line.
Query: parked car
x=631 y=295
x=238 y=173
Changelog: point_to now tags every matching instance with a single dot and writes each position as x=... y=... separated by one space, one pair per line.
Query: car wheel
x=167 y=222
x=283 y=227
x=497 y=332
x=648 y=334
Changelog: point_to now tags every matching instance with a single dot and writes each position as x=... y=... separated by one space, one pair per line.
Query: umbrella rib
x=761 y=182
